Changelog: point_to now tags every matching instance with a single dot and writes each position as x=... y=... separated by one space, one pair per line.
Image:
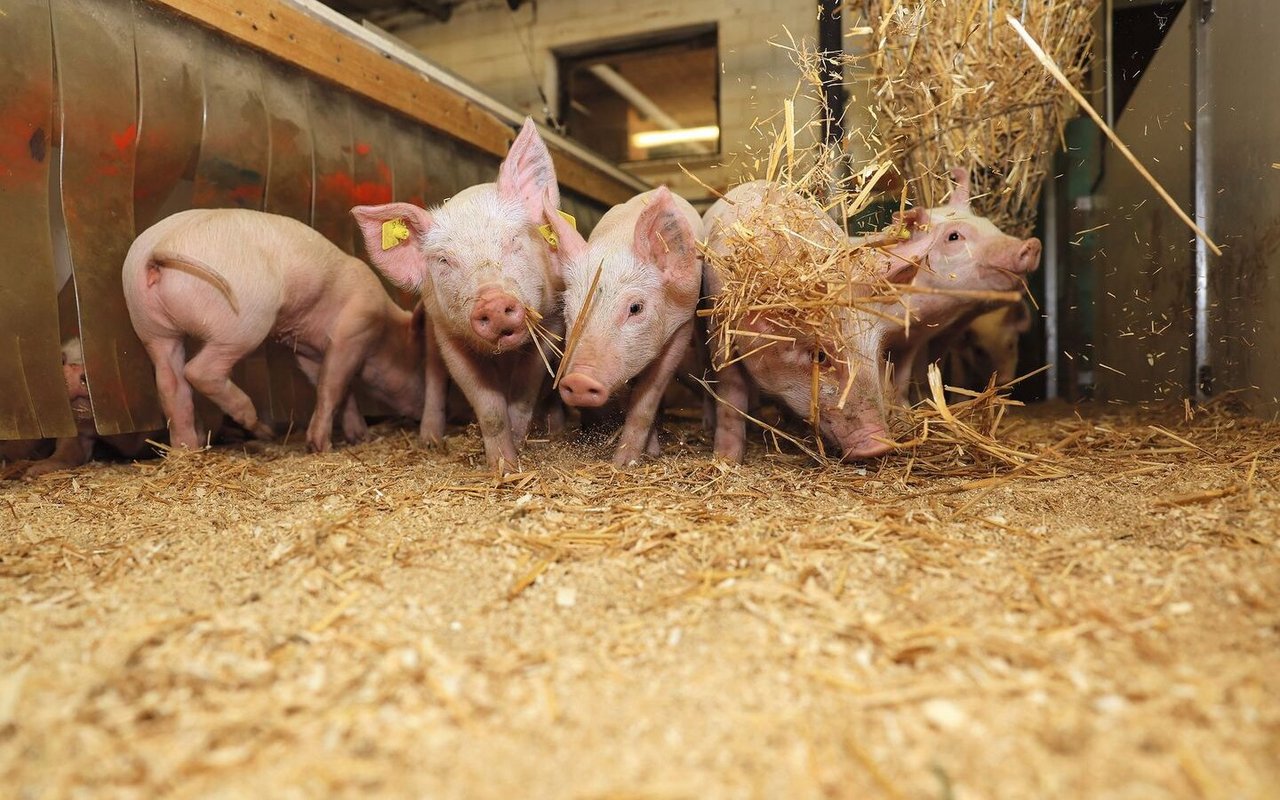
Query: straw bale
x=955 y=87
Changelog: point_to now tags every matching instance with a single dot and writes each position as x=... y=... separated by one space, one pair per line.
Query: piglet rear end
x=230 y=278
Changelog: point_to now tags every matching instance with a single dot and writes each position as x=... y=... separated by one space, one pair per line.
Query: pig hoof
x=503 y=468
x=731 y=454
x=319 y=445
x=264 y=432
x=356 y=437
x=41 y=468
x=626 y=460
x=434 y=443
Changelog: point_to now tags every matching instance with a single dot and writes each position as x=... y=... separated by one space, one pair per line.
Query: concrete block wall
x=510 y=54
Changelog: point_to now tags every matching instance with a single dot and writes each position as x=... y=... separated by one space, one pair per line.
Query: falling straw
x=1124 y=150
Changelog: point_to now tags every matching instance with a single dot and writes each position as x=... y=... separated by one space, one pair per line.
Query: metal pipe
x=830 y=49
x=1052 y=321
x=1109 y=34
x=1202 y=153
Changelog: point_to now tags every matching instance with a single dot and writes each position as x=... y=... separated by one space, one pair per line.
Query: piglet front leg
x=527 y=384
x=477 y=378
x=431 y=430
x=527 y=381
x=70 y=452
x=348 y=347
x=637 y=430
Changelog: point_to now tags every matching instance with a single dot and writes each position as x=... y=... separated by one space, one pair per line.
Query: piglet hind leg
x=70 y=452
x=210 y=373
x=731 y=426
x=637 y=431
x=354 y=427
x=479 y=383
x=168 y=357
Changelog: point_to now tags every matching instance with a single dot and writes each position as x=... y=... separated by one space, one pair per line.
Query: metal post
x=1052 y=321
x=1109 y=34
x=1202 y=194
x=831 y=48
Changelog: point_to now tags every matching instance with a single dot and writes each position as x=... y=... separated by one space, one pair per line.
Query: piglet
x=486 y=275
x=984 y=347
x=74 y=451
x=954 y=249
x=639 y=322
x=231 y=278
x=782 y=361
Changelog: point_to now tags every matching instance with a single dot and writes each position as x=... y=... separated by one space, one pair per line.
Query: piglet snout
x=583 y=391
x=498 y=319
x=1028 y=257
x=864 y=442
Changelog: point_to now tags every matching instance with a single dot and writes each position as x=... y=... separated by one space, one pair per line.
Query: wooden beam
x=284 y=32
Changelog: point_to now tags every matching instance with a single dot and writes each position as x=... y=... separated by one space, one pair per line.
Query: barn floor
x=387 y=620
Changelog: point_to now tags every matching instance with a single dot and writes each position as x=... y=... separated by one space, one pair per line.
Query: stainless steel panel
x=408 y=165
x=234 y=151
x=444 y=178
x=1144 y=338
x=289 y=190
x=34 y=401
x=232 y=170
x=1244 y=150
x=94 y=46
x=374 y=179
x=290 y=178
x=171 y=118
x=334 y=193
x=474 y=166
x=374 y=183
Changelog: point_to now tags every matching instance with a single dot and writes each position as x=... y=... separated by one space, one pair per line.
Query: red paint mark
x=363 y=149
x=360 y=193
x=114 y=161
x=125 y=139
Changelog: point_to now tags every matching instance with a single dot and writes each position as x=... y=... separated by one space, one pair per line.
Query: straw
x=1115 y=140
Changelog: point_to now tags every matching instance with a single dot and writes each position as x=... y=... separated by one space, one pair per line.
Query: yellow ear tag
x=550 y=235
x=393 y=233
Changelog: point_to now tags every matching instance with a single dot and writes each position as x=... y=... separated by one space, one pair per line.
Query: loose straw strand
x=1124 y=150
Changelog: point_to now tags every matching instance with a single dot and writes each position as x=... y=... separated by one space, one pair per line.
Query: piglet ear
x=664 y=236
x=393 y=235
x=960 y=194
x=570 y=246
x=912 y=219
x=527 y=174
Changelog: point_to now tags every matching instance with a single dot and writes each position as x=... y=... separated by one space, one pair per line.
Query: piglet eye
x=636 y=308
x=820 y=356
x=83 y=381
x=954 y=236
